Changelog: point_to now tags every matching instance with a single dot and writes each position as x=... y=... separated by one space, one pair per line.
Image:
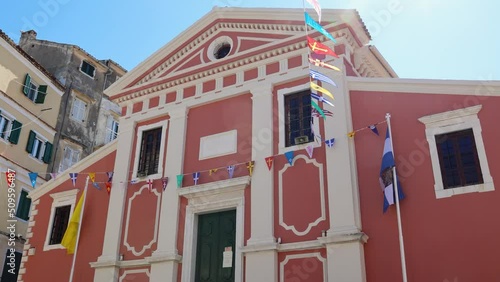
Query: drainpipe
x=108 y=72
x=59 y=132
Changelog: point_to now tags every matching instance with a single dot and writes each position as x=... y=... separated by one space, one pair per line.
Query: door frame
x=208 y=198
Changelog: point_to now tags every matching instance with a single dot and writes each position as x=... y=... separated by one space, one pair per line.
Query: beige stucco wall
x=13 y=69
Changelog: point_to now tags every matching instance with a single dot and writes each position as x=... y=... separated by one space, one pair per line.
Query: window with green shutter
x=40 y=96
x=48 y=153
x=38 y=147
x=33 y=91
x=24 y=205
x=31 y=141
x=26 y=86
x=15 y=132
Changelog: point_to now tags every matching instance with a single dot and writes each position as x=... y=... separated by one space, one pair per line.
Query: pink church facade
x=208 y=112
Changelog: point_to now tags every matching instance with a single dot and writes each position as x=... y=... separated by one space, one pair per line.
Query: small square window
x=87 y=69
x=149 y=157
x=59 y=224
x=298 y=118
x=24 y=205
x=78 y=110
x=71 y=156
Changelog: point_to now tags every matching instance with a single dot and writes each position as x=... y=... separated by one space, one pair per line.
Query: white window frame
x=281 y=116
x=164 y=125
x=111 y=129
x=453 y=121
x=80 y=69
x=43 y=141
x=59 y=199
x=19 y=200
x=82 y=109
x=73 y=151
x=35 y=85
x=8 y=130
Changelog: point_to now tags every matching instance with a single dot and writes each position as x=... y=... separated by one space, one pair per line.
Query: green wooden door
x=216 y=234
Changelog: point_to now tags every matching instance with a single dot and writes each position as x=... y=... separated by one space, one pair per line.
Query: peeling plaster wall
x=64 y=62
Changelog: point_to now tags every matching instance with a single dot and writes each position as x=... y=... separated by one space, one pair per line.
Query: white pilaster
x=344 y=241
x=164 y=261
x=107 y=269
x=261 y=264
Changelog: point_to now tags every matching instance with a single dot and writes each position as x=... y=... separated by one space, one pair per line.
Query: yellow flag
x=92 y=176
x=321 y=89
x=71 y=234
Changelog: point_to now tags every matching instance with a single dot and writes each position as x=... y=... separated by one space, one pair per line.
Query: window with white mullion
x=78 y=110
x=111 y=129
x=5 y=127
x=38 y=148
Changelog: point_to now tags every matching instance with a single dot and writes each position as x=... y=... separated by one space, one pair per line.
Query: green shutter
x=23 y=208
x=48 y=152
x=15 y=132
x=31 y=141
x=42 y=92
x=26 y=87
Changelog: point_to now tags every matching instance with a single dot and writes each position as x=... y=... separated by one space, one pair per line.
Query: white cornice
x=214 y=188
x=79 y=166
x=460 y=113
x=425 y=86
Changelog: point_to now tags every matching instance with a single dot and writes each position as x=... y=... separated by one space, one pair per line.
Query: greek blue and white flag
x=321 y=77
x=386 y=174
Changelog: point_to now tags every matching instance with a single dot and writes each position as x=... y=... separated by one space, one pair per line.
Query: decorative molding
x=133 y=271
x=322 y=196
x=162 y=257
x=157 y=216
x=214 y=188
x=302 y=256
x=432 y=120
x=186 y=81
x=425 y=86
x=342 y=238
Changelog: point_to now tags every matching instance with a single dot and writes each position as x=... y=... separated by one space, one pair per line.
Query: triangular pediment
x=252 y=34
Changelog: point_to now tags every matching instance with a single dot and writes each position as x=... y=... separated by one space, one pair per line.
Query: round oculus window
x=222 y=50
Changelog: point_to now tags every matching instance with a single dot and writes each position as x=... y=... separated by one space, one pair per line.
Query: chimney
x=27 y=36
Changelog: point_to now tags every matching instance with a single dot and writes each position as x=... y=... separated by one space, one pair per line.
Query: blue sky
x=446 y=39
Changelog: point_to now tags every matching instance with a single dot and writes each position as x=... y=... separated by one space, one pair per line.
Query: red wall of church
x=57 y=262
x=300 y=185
x=445 y=239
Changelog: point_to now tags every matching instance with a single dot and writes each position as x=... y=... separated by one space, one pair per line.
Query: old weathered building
x=88 y=119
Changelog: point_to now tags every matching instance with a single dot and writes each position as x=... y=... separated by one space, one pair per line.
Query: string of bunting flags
x=372 y=127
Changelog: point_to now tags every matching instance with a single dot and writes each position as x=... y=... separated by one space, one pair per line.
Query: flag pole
x=398 y=212
x=79 y=228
